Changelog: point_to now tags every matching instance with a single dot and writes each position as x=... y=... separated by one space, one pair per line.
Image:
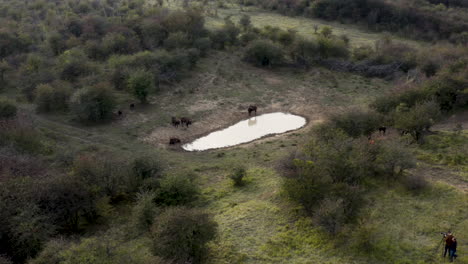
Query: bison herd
x=176 y=122
x=183 y=121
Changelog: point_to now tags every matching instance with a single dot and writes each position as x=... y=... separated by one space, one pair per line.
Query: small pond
x=248 y=130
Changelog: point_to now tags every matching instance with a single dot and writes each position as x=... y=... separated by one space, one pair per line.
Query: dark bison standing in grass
x=174 y=141
x=382 y=130
x=175 y=122
x=186 y=121
x=252 y=108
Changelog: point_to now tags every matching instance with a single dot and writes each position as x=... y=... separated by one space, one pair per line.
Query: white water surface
x=248 y=130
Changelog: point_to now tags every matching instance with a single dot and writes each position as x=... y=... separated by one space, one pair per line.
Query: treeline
x=273 y=46
x=408 y=19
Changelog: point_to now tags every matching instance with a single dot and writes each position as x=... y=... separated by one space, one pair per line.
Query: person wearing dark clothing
x=453 y=250
x=448 y=242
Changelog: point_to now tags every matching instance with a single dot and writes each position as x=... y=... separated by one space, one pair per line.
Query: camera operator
x=450 y=245
x=448 y=237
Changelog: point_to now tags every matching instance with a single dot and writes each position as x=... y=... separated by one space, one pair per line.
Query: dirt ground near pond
x=222 y=118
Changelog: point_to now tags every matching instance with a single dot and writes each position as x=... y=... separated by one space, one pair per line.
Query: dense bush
x=144 y=211
x=145 y=167
x=93 y=104
x=264 y=53
x=7 y=109
x=141 y=83
x=181 y=234
x=417 y=119
x=53 y=98
x=304 y=52
x=176 y=190
x=106 y=174
x=357 y=122
x=238 y=175
x=329 y=179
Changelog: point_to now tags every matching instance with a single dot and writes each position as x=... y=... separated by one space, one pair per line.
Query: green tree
x=176 y=190
x=182 y=234
x=144 y=211
x=245 y=22
x=417 y=119
x=304 y=52
x=53 y=98
x=141 y=83
x=7 y=109
x=357 y=122
x=238 y=175
x=264 y=53
x=93 y=104
x=326 y=31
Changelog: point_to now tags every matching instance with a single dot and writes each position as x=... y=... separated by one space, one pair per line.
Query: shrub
x=264 y=53
x=51 y=252
x=238 y=175
x=363 y=53
x=141 y=83
x=93 y=104
x=357 y=122
x=144 y=211
x=177 y=40
x=145 y=167
x=245 y=22
x=52 y=99
x=393 y=159
x=203 y=45
x=7 y=109
x=176 y=190
x=105 y=174
x=304 y=52
x=66 y=200
x=21 y=134
x=417 y=119
x=332 y=48
x=182 y=234
x=326 y=31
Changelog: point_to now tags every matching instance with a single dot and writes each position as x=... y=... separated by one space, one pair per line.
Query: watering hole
x=248 y=130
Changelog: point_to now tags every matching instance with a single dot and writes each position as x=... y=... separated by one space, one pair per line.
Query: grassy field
x=358 y=35
x=257 y=224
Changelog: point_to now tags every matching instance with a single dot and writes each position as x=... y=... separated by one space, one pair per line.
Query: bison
x=186 y=121
x=175 y=122
x=252 y=108
x=382 y=130
x=174 y=141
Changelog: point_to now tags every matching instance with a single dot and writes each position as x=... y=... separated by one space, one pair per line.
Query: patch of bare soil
x=445 y=175
x=451 y=122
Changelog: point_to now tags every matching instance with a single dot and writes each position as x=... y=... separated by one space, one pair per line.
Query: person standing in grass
x=453 y=250
x=448 y=242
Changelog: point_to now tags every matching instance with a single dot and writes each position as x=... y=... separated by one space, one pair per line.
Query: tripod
x=438 y=246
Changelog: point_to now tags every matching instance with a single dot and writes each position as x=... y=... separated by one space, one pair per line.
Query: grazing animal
x=174 y=140
x=252 y=108
x=175 y=122
x=132 y=106
x=382 y=130
x=186 y=121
